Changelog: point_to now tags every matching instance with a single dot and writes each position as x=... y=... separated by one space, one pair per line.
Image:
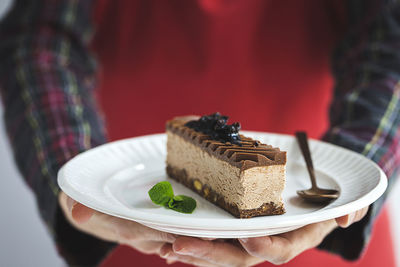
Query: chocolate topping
x=250 y=153
x=181 y=176
x=215 y=125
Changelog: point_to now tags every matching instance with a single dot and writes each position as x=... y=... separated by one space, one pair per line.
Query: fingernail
x=70 y=203
x=208 y=238
x=244 y=240
x=171 y=238
x=165 y=250
x=164 y=254
x=171 y=261
x=182 y=251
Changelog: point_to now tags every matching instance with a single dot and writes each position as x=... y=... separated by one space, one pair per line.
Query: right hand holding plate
x=277 y=249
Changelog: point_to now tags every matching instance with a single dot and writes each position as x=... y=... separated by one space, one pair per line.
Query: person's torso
x=260 y=62
x=264 y=63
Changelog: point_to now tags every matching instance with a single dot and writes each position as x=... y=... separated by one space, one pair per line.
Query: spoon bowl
x=320 y=195
x=314 y=194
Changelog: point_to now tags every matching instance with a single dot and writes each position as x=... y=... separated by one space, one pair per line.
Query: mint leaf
x=178 y=198
x=173 y=201
x=161 y=193
x=182 y=204
x=171 y=204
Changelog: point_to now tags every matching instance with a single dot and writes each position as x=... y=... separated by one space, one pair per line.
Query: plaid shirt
x=47 y=81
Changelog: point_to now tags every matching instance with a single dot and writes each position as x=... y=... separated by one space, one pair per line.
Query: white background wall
x=24 y=241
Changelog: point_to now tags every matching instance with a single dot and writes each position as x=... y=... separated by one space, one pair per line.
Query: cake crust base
x=206 y=192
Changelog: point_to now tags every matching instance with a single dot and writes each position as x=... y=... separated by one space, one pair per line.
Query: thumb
x=347 y=220
x=80 y=213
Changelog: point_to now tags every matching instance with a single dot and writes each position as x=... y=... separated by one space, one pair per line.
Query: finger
x=80 y=213
x=284 y=247
x=70 y=202
x=109 y=227
x=218 y=253
x=75 y=212
x=171 y=261
x=347 y=220
x=193 y=261
x=166 y=250
x=274 y=249
x=167 y=253
x=361 y=214
x=113 y=229
x=149 y=247
x=207 y=238
x=129 y=232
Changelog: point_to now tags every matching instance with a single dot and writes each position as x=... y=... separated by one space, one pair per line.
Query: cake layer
x=206 y=192
x=239 y=188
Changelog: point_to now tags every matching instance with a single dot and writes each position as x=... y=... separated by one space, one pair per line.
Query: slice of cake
x=237 y=173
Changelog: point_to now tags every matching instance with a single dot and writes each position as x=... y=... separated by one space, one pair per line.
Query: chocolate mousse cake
x=237 y=173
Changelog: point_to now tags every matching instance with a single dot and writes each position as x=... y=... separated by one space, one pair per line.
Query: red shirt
x=264 y=63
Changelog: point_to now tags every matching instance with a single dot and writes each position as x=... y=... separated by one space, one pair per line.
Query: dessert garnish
x=162 y=194
x=215 y=125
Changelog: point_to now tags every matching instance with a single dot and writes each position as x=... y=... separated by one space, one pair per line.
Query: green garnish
x=162 y=194
x=182 y=204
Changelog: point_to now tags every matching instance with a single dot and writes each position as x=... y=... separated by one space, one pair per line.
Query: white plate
x=114 y=178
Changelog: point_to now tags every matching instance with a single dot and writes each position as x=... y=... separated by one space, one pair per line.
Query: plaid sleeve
x=47 y=81
x=365 y=112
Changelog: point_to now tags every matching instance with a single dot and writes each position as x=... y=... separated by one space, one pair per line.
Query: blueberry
x=216 y=126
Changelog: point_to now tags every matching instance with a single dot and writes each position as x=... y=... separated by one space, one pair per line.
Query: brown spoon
x=314 y=194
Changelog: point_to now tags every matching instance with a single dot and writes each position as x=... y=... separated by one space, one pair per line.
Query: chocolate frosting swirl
x=250 y=153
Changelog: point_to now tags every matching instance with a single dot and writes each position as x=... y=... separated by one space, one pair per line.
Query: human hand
x=277 y=249
x=110 y=228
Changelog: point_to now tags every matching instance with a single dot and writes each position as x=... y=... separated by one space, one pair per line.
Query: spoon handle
x=305 y=150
